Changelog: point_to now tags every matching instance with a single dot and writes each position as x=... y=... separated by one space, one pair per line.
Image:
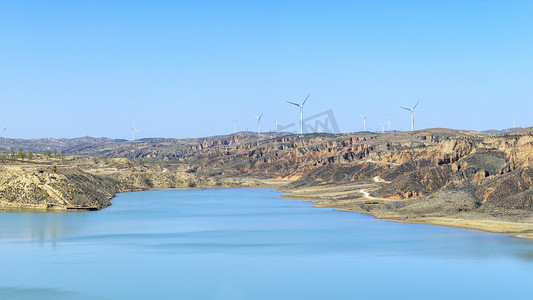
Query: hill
x=432 y=175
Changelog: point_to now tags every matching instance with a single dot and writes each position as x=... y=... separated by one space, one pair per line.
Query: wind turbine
x=301 y=106
x=133 y=130
x=364 y=121
x=412 y=110
x=389 y=123
x=514 y=124
x=276 y=120
x=259 y=123
x=5 y=128
x=235 y=123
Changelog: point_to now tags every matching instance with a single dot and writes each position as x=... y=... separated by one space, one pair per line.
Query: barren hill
x=433 y=173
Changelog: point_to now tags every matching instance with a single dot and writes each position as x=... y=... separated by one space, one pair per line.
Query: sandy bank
x=356 y=197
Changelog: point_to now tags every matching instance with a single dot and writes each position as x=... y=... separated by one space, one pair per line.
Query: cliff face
x=293 y=156
x=512 y=190
x=494 y=171
x=491 y=171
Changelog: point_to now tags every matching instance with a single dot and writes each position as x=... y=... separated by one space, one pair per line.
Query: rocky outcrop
x=512 y=190
x=417 y=165
x=330 y=173
x=59 y=190
x=90 y=183
x=495 y=171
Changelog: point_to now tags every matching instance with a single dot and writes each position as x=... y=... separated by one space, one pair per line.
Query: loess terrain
x=439 y=176
x=88 y=183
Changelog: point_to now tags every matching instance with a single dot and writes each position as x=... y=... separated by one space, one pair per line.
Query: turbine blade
x=416 y=104
x=405 y=108
x=293 y=103
x=306 y=99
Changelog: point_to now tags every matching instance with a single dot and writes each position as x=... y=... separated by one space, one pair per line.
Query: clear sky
x=186 y=68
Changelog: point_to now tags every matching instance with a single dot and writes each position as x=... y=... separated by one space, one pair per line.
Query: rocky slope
x=64 y=188
x=426 y=172
x=82 y=183
x=488 y=173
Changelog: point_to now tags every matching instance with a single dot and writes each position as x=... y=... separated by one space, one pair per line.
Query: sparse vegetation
x=21 y=154
x=485 y=174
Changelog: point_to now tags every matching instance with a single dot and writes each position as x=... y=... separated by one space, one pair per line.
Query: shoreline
x=522 y=230
x=252 y=183
x=516 y=229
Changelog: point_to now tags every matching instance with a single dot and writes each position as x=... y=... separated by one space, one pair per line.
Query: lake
x=247 y=244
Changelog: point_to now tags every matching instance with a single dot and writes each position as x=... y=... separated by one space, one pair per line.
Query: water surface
x=247 y=244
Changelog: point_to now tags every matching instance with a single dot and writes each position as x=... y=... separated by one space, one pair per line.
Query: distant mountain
x=504 y=131
x=170 y=148
x=37 y=145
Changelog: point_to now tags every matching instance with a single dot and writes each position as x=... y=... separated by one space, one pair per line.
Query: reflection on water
x=22 y=293
x=23 y=225
x=246 y=244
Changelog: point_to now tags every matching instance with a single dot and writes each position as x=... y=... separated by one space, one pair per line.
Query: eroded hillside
x=435 y=172
x=89 y=183
x=491 y=171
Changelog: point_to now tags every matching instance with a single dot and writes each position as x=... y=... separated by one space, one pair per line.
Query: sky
x=187 y=68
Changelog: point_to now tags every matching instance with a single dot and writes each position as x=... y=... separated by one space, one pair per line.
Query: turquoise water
x=246 y=244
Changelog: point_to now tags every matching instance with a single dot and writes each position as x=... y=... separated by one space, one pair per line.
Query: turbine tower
x=412 y=110
x=301 y=106
x=5 y=128
x=276 y=120
x=235 y=123
x=133 y=130
x=259 y=123
x=389 y=123
x=364 y=121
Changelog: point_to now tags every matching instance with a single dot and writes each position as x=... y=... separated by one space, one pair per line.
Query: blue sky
x=186 y=68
